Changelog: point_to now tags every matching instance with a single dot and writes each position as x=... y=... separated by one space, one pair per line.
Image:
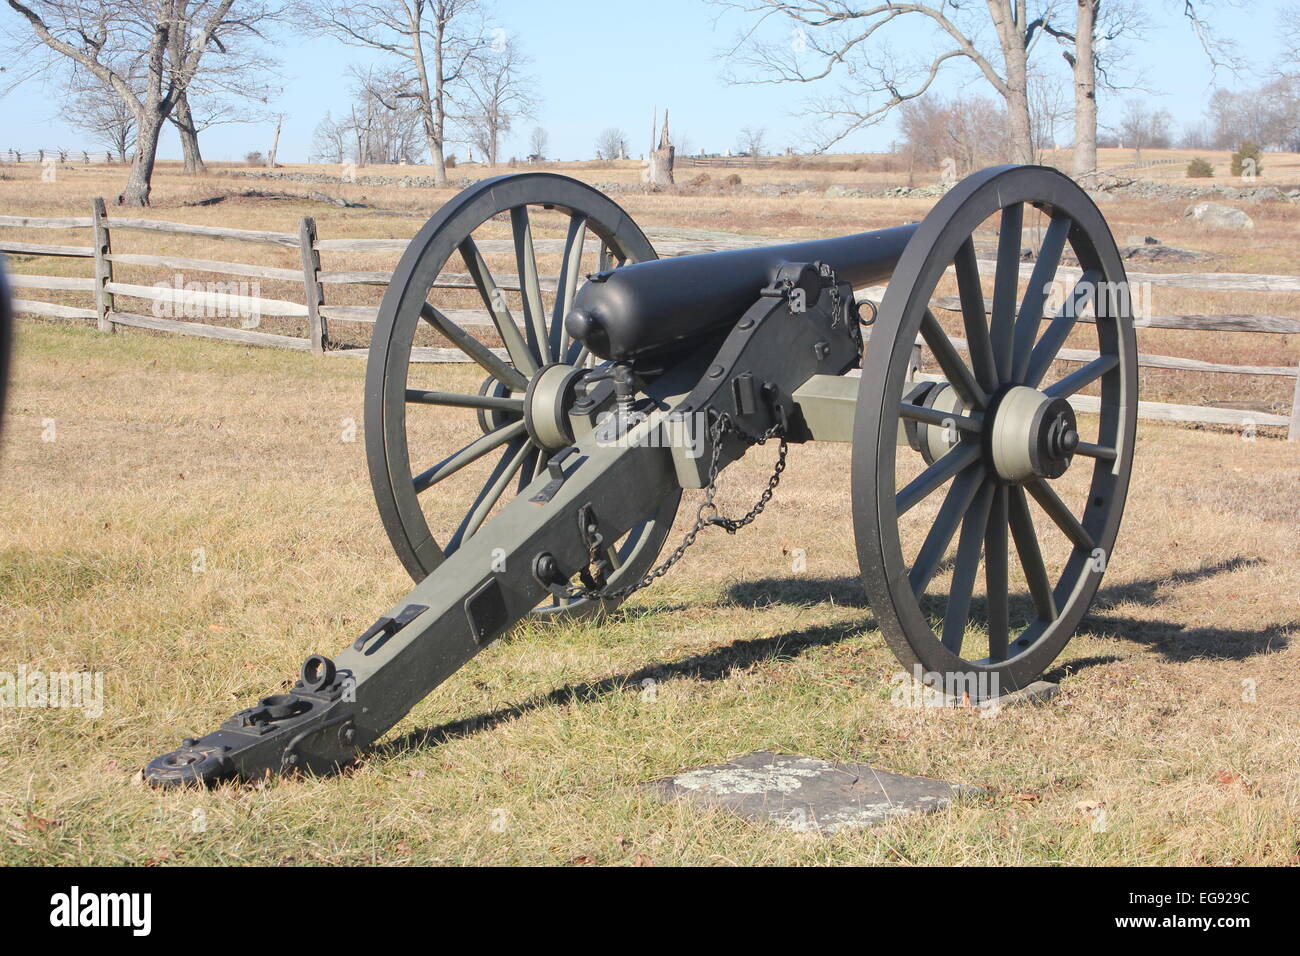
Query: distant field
x=397 y=212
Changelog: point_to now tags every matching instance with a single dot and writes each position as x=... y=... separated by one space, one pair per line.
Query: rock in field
x=1215 y=215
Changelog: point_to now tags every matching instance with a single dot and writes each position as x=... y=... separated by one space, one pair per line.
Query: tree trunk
x=275 y=143
x=1085 y=90
x=1022 y=144
x=183 y=120
x=659 y=163
x=1009 y=23
x=432 y=102
x=138 y=183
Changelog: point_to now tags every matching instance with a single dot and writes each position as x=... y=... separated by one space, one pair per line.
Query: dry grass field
x=193 y=518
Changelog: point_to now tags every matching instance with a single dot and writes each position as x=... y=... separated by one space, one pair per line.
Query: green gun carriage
x=642 y=377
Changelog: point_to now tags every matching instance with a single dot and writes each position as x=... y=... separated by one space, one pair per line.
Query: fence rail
x=60 y=155
x=318 y=312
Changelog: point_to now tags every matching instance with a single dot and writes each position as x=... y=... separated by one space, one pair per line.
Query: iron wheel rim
x=388 y=451
x=885 y=570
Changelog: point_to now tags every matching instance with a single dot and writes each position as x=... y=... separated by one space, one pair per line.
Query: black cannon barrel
x=651 y=308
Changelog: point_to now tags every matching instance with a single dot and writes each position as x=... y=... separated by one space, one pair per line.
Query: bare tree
x=497 y=92
x=1143 y=128
x=1049 y=108
x=957 y=136
x=331 y=141
x=434 y=40
x=1268 y=115
x=222 y=92
x=100 y=37
x=611 y=144
x=537 y=143
x=1096 y=56
x=751 y=141
x=99 y=111
x=386 y=126
x=1288 y=22
x=839 y=37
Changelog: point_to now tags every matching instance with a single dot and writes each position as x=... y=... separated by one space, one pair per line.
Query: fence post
x=1293 y=433
x=312 y=291
x=103 y=266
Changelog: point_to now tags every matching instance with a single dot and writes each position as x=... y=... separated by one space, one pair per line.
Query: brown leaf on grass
x=1235 y=781
x=642 y=859
x=1025 y=796
x=39 y=824
x=1089 y=806
x=583 y=860
x=622 y=842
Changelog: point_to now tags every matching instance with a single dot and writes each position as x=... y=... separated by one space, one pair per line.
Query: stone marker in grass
x=806 y=794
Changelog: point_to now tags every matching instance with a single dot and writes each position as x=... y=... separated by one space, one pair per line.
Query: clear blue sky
x=602 y=63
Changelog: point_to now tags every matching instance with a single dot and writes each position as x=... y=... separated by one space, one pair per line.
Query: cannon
x=644 y=377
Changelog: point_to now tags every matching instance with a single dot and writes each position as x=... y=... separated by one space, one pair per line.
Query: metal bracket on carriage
x=800 y=284
x=766 y=347
x=310 y=728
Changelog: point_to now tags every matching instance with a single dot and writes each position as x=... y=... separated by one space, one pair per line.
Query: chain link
x=705 y=516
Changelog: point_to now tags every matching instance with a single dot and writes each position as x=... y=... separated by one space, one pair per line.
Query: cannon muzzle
x=652 y=308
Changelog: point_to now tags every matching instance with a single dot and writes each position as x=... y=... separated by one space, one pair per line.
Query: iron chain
x=705 y=516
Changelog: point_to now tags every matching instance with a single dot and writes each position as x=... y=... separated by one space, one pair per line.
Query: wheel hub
x=490 y=419
x=1029 y=435
x=546 y=405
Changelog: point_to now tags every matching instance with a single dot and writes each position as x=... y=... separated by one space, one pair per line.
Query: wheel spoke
x=570 y=270
x=950 y=360
x=495 y=300
x=1060 y=513
x=1031 y=558
x=580 y=355
x=1058 y=330
x=969 y=544
x=995 y=574
x=471 y=452
x=475 y=349
x=1040 y=282
x=971 y=294
x=612 y=556
x=941 y=419
x=510 y=463
x=529 y=285
x=1082 y=377
x=415 y=396
x=529 y=471
x=1006 y=280
x=951 y=513
x=919 y=488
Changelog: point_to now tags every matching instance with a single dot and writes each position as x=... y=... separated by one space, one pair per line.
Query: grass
x=1177 y=713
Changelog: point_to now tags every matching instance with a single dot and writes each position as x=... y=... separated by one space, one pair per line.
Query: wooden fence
x=60 y=155
x=318 y=313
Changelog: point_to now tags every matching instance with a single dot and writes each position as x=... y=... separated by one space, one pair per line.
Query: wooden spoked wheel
x=449 y=443
x=993 y=438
